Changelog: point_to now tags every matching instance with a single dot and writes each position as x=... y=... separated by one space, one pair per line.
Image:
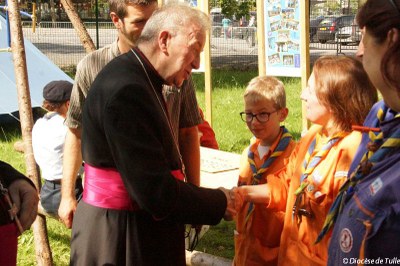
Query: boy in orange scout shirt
x=339 y=95
x=258 y=229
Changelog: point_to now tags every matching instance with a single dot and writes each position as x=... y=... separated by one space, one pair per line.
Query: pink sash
x=104 y=188
x=8 y=244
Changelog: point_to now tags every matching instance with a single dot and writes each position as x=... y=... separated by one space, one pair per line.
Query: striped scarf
x=378 y=148
x=310 y=162
x=284 y=141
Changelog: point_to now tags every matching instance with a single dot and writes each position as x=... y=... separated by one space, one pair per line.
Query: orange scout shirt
x=257 y=240
x=298 y=236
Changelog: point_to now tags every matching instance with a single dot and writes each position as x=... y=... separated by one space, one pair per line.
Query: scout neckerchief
x=310 y=162
x=258 y=173
x=376 y=152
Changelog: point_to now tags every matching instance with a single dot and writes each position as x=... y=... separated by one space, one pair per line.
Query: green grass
x=232 y=135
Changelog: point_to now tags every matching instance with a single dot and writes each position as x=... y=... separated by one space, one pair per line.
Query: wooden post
x=304 y=54
x=207 y=70
x=42 y=247
x=76 y=21
x=261 y=38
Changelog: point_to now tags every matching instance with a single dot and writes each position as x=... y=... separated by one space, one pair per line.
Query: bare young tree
x=80 y=28
x=42 y=246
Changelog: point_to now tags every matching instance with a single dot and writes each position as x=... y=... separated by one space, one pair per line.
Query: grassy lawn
x=232 y=135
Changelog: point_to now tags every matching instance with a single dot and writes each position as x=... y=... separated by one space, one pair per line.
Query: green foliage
x=228 y=7
x=232 y=135
x=244 y=9
x=236 y=8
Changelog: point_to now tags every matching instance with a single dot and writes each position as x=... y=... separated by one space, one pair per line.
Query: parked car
x=314 y=26
x=330 y=26
x=349 y=35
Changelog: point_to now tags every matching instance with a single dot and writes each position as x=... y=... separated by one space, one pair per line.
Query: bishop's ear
x=163 y=41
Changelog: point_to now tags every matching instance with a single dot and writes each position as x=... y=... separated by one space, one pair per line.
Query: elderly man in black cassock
x=136 y=200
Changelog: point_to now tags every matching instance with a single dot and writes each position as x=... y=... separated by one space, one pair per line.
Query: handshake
x=230 y=211
x=237 y=196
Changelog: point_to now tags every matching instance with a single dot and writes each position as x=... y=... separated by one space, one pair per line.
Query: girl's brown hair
x=343 y=86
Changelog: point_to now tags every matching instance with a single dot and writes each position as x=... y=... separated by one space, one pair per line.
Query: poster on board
x=282 y=37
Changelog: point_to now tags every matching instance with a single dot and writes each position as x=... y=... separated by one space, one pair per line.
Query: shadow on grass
x=9 y=129
x=10 y=126
x=57 y=233
x=59 y=238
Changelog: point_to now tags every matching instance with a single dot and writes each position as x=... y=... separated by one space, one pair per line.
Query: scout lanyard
x=163 y=108
x=377 y=150
x=310 y=162
x=284 y=141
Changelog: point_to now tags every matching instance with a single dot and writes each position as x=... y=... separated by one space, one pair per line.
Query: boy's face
x=268 y=131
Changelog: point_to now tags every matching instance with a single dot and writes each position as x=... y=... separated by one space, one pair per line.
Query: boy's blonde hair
x=266 y=88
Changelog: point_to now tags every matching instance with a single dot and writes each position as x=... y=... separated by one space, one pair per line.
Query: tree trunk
x=52 y=11
x=79 y=26
x=42 y=247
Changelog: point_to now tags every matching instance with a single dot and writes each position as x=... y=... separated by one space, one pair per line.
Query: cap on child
x=57 y=91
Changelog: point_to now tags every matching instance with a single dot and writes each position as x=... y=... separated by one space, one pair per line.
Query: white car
x=349 y=35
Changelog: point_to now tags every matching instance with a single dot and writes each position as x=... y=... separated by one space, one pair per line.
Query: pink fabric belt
x=104 y=188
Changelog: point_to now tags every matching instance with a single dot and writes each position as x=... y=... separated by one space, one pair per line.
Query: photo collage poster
x=282 y=37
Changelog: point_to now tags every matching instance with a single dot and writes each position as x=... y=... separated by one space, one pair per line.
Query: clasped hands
x=236 y=196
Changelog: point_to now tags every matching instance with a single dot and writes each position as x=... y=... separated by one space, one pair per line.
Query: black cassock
x=124 y=127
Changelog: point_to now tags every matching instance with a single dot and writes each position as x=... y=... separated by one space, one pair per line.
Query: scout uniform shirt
x=300 y=232
x=257 y=238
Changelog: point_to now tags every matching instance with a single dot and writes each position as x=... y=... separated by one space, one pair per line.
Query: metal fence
x=235 y=47
x=59 y=42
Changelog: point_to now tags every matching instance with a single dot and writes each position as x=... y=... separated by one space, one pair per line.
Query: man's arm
x=71 y=164
x=190 y=150
x=22 y=192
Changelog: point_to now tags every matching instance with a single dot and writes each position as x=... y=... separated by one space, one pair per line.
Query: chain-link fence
x=59 y=42
x=332 y=31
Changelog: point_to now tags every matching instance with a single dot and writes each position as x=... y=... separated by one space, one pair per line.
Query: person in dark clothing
x=18 y=209
x=135 y=202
